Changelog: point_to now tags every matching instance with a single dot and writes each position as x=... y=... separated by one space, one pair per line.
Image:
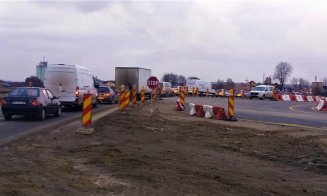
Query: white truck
x=202 y=85
x=129 y=76
x=70 y=83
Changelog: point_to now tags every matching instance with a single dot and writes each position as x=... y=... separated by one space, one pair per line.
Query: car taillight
x=3 y=102
x=77 y=92
x=108 y=94
x=35 y=102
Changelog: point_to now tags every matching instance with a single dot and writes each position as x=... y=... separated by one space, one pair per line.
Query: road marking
x=295 y=110
x=284 y=124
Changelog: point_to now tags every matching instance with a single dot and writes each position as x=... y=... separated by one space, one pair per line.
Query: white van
x=202 y=85
x=261 y=92
x=70 y=83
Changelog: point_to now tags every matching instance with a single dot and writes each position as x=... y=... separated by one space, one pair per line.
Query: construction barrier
x=192 y=109
x=322 y=106
x=182 y=96
x=193 y=91
x=197 y=91
x=207 y=93
x=208 y=111
x=199 y=110
x=179 y=106
x=219 y=113
x=122 y=101
x=127 y=98
x=310 y=98
x=299 y=98
x=134 y=95
x=231 y=105
x=286 y=97
x=142 y=95
x=87 y=110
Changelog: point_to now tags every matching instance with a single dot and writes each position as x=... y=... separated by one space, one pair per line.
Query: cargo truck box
x=129 y=76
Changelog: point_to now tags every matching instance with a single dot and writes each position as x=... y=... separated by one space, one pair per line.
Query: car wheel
x=8 y=116
x=263 y=97
x=58 y=111
x=41 y=115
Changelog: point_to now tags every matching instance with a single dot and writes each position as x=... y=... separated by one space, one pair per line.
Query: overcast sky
x=208 y=39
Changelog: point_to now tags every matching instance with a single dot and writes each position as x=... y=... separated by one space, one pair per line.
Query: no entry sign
x=153 y=82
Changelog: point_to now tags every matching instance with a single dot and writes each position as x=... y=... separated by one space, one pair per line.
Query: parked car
x=239 y=93
x=107 y=95
x=220 y=93
x=261 y=92
x=30 y=101
x=176 y=90
x=166 y=89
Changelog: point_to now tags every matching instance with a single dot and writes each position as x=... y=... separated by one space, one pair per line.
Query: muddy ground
x=166 y=153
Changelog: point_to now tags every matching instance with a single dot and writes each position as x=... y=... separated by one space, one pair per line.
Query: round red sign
x=153 y=82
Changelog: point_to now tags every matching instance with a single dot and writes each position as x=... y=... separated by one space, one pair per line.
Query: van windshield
x=259 y=88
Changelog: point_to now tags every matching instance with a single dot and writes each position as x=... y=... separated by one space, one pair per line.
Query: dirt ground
x=166 y=153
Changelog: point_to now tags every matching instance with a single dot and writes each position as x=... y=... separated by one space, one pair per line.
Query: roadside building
x=40 y=70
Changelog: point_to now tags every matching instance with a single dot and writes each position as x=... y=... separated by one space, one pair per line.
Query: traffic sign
x=153 y=82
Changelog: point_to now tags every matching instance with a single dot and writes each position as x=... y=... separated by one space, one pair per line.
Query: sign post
x=152 y=83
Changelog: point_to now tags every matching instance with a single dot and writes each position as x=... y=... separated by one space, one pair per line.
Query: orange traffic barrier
x=122 y=101
x=193 y=91
x=199 y=110
x=142 y=95
x=197 y=91
x=134 y=95
x=231 y=106
x=182 y=96
x=127 y=98
x=87 y=110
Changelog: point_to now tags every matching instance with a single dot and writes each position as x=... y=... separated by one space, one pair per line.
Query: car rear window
x=32 y=92
x=104 y=89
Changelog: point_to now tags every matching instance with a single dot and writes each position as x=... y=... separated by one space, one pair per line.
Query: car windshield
x=33 y=92
x=104 y=89
x=259 y=88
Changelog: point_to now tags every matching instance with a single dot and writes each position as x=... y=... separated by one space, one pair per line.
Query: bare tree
x=229 y=83
x=303 y=84
x=282 y=71
x=170 y=77
x=294 y=82
x=220 y=84
x=267 y=81
x=181 y=80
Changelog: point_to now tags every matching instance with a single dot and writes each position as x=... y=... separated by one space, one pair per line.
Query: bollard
x=122 y=101
x=134 y=95
x=154 y=94
x=127 y=98
x=142 y=95
x=207 y=93
x=186 y=91
x=193 y=91
x=231 y=106
x=182 y=96
x=87 y=114
x=197 y=91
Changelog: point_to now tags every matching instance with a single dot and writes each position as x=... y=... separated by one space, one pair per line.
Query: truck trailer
x=129 y=76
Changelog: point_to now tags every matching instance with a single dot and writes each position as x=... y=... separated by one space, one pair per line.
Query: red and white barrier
x=192 y=109
x=219 y=113
x=299 y=98
x=322 y=106
x=199 y=110
x=208 y=111
x=286 y=97
x=310 y=98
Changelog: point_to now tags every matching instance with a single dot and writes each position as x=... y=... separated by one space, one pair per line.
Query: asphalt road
x=20 y=126
x=276 y=112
